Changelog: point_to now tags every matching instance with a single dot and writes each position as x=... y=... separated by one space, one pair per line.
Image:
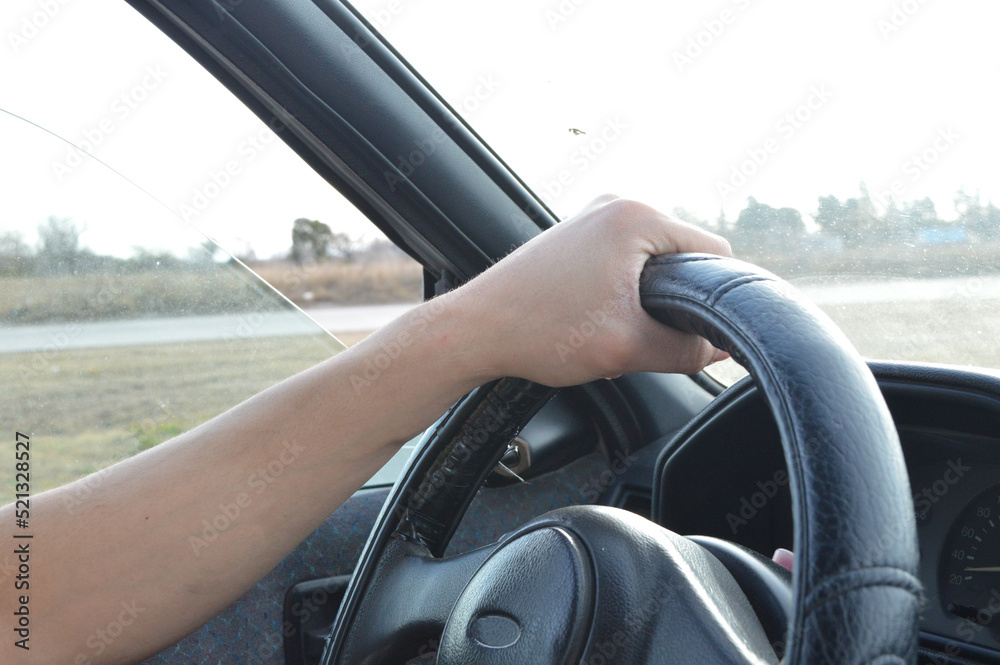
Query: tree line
x=759 y=228
x=58 y=251
x=854 y=222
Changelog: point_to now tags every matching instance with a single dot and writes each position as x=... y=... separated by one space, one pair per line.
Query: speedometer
x=969 y=576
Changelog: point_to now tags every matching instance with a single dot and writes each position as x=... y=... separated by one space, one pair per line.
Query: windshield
x=848 y=147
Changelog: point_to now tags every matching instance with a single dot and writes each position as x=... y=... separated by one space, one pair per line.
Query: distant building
x=942 y=235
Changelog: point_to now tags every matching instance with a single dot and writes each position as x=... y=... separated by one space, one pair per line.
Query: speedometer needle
x=988 y=569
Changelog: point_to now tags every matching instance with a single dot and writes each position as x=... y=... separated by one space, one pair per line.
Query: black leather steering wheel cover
x=856 y=593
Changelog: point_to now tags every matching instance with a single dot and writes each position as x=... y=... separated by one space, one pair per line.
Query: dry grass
x=378 y=282
x=127 y=295
x=213 y=289
x=88 y=408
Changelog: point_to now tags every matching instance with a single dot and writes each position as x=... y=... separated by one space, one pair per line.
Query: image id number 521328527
x=22 y=539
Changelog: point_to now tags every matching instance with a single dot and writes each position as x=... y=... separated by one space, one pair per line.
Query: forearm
x=180 y=531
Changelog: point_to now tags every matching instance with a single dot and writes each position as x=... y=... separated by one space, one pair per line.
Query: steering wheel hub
x=531 y=601
x=584 y=584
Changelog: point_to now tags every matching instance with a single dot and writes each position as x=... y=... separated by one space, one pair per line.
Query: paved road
x=21 y=339
x=103 y=334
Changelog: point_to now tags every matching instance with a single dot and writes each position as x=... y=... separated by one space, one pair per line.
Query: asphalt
x=169 y=330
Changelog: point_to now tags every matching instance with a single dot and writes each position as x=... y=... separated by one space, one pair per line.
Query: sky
x=699 y=88
x=98 y=72
x=697 y=105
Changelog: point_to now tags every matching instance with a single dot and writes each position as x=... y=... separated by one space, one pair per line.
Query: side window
x=157 y=242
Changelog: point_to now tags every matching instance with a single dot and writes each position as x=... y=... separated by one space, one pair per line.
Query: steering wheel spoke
x=407 y=602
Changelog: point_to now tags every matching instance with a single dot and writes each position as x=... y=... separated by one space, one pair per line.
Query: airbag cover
x=531 y=601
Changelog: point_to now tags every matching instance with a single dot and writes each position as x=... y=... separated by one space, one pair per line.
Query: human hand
x=564 y=308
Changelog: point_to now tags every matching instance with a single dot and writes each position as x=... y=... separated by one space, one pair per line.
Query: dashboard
x=725 y=476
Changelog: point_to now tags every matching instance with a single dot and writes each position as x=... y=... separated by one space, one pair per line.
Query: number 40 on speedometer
x=969 y=581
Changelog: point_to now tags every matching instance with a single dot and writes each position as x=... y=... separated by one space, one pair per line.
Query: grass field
x=87 y=408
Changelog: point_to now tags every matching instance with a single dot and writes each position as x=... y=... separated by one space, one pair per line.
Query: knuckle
x=604 y=199
x=629 y=209
x=625 y=217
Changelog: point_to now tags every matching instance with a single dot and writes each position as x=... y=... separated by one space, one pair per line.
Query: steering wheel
x=591 y=585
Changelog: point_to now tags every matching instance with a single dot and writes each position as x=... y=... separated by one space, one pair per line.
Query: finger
x=667 y=349
x=660 y=233
x=679 y=237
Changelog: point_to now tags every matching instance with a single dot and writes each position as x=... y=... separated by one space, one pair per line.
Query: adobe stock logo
x=423 y=148
x=917 y=164
x=101 y=639
x=259 y=481
x=33 y=24
x=583 y=158
x=122 y=107
x=749 y=507
x=898 y=18
x=587 y=328
x=562 y=12
x=707 y=35
x=786 y=128
x=220 y=179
